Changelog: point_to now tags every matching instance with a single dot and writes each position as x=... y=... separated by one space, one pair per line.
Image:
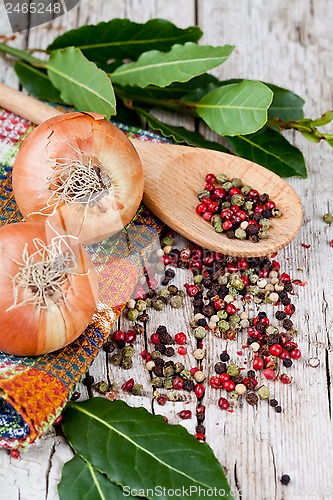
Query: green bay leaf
x=286 y=104
x=81 y=83
x=237 y=108
x=270 y=149
x=180 y=64
x=122 y=38
x=36 y=82
x=180 y=134
x=80 y=481
x=140 y=451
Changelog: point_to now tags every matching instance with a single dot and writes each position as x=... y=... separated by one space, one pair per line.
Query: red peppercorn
x=212 y=207
x=208 y=260
x=209 y=187
x=224 y=377
x=253 y=194
x=258 y=363
x=185 y=414
x=219 y=193
x=289 y=309
x=182 y=350
x=194 y=370
x=211 y=178
x=118 y=335
x=275 y=349
x=253 y=332
x=207 y=216
x=148 y=358
x=289 y=345
x=265 y=321
x=285 y=379
x=201 y=409
x=58 y=420
x=178 y=383
x=180 y=338
x=295 y=353
x=258 y=209
x=284 y=355
x=243 y=264
x=229 y=385
x=200 y=344
x=215 y=382
x=232 y=267
x=128 y=386
x=226 y=225
x=161 y=400
x=269 y=205
x=144 y=354
x=15 y=454
x=139 y=293
x=234 y=190
x=263 y=273
x=199 y=390
x=200 y=436
x=242 y=215
x=130 y=336
x=223 y=404
x=200 y=209
x=245 y=280
x=192 y=290
x=231 y=309
x=218 y=304
x=275 y=266
x=155 y=338
x=166 y=260
x=226 y=214
x=269 y=374
x=285 y=277
x=196 y=264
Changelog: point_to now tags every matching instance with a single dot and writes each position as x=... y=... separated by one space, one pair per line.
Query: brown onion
x=81 y=173
x=48 y=289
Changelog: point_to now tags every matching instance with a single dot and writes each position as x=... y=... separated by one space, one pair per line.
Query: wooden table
x=289 y=44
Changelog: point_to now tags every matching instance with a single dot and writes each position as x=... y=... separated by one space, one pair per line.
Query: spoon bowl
x=175 y=174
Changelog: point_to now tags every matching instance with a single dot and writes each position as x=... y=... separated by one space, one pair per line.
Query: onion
x=48 y=289
x=81 y=173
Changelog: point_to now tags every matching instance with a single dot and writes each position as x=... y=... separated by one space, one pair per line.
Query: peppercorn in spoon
x=175 y=174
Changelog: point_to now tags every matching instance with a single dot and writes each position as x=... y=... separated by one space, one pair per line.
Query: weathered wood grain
x=289 y=44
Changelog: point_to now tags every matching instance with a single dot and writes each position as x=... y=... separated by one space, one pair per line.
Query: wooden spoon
x=175 y=174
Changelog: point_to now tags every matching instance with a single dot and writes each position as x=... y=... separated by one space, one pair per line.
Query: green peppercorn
x=233 y=370
x=227 y=185
x=253 y=278
x=234 y=320
x=158 y=305
x=167 y=241
x=185 y=374
x=203 y=194
x=222 y=314
x=265 y=223
x=328 y=218
x=223 y=325
x=172 y=289
x=148 y=302
x=261 y=233
x=164 y=293
x=101 y=387
x=221 y=178
x=222 y=280
x=167 y=383
x=173 y=395
x=245 y=190
x=179 y=367
x=236 y=182
x=218 y=228
x=197 y=279
x=127 y=363
x=237 y=199
x=176 y=302
x=225 y=204
x=237 y=283
x=199 y=332
x=276 y=212
x=141 y=305
x=157 y=382
x=137 y=390
x=216 y=218
x=155 y=355
x=128 y=351
x=181 y=293
x=133 y=314
x=168 y=371
x=263 y=392
x=116 y=359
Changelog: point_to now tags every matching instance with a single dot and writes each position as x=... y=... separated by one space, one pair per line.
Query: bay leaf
x=140 y=451
x=80 y=481
x=81 y=83
x=36 y=82
x=237 y=108
x=122 y=38
x=180 y=64
x=270 y=149
x=286 y=104
x=180 y=134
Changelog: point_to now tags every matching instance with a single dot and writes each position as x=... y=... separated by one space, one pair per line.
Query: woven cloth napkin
x=34 y=390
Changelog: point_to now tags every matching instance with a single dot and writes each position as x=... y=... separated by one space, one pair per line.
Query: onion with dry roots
x=81 y=173
x=48 y=289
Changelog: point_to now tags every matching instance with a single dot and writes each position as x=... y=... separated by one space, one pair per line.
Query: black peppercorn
x=288 y=286
x=230 y=234
x=75 y=396
x=159 y=362
x=157 y=370
x=285 y=479
x=121 y=344
x=189 y=385
x=169 y=363
x=287 y=324
x=252 y=229
x=220 y=367
x=287 y=363
x=170 y=273
x=224 y=356
x=143 y=317
x=278 y=409
x=165 y=338
x=169 y=351
x=273 y=403
x=200 y=417
x=285 y=301
x=251 y=374
x=280 y=315
x=200 y=429
x=161 y=348
x=202 y=322
x=251 y=399
x=88 y=380
x=208 y=310
x=262 y=315
x=109 y=346
x=266 y=214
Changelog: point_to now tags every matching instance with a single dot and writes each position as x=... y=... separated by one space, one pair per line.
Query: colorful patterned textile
x=34 y=390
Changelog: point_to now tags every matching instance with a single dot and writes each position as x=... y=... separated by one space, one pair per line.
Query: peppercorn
x=101 y=387
x=251 y=399
x=199 y=332
x=143 y=317
x=160 y=347
x=200 y=429
x=127 y=363
x=116 y=359
x=157 y=382
x=328 y=218
x=273 y=403
x=137 y=390
x=159 y=361
x=285 y=479
x=176 y=301
x=127 y=351
x=189 y=385
x=121 y=344
x=220 y=367
x=287 y=362
x=169 y=351
x=133 y=314
x=158 y=371
x=233 y=370
x=109 y=346
x=278 y=409
x=75 y=396
x=224 y=356
x=179 y=367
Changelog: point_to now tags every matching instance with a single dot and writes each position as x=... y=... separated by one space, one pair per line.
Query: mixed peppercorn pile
x=235 y=209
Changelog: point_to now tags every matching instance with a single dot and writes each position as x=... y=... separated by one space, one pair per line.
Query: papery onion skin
x=91 y=134
x=27 y=329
